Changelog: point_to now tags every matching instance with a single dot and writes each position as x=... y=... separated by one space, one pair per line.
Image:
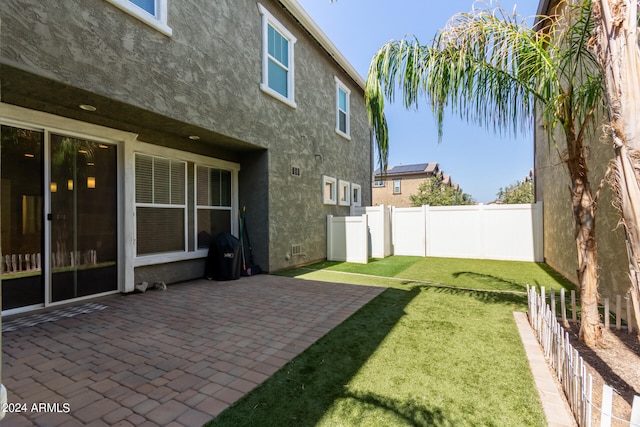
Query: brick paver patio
x=170 y=358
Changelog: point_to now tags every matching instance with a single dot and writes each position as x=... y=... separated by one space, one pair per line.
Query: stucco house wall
x=553 y=188
x=157 y=90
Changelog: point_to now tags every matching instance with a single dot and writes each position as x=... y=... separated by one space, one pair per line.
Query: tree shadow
x=489 y=296
x=410 y=412
x=302 y=391
x=496 y=282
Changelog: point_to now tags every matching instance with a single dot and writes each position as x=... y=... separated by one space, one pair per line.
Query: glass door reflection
x=84 y=227
x=22 y=217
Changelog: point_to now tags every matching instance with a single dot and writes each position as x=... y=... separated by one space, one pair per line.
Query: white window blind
x=213 y=199
x=160 y=204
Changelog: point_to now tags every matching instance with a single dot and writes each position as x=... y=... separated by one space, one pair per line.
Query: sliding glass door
x=59 y=218
x=84 y=225
x=22 y=223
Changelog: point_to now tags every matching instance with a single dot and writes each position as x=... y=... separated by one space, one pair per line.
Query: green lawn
x=438 y=348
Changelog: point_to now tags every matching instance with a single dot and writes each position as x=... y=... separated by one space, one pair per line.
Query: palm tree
x=617 y=49
x=494 y=70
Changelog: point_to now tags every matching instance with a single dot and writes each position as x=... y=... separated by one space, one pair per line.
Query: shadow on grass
x=302 y=391
x=491 y=281
x=411 y=412
x=489 y=297
x=566 y=283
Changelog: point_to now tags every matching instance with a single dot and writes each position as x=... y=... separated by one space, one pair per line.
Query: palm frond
x=490 y=68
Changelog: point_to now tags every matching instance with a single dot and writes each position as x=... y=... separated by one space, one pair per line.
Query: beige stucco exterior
x=395 y=187
x=385 y=195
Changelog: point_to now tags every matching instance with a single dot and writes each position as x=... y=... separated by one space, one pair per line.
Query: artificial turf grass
x=418 y=354
x=457 y=272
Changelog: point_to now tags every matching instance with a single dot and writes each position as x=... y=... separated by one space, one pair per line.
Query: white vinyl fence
x=502 y=232
x=347 y=239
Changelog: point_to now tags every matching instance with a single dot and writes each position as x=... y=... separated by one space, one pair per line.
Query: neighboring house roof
x=314 y=30
x=420 y=168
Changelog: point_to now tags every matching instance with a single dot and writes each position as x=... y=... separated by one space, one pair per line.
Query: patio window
x=160 y=205
x=213 y=203
x=277 y=59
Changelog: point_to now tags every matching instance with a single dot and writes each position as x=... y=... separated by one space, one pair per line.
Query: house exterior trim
x=301 y=15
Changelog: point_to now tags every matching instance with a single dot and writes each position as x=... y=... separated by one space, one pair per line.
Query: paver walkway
x=169 y=358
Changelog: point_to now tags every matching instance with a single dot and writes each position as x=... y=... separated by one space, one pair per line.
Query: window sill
x=142 y=15
x=266 y=89
x=143 y=260
x=344 y=135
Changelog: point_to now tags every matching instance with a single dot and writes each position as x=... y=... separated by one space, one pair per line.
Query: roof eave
x=301 y=15
x=543 y=9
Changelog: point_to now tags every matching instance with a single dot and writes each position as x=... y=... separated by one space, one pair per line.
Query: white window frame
x=191 y=158
x=329 y=180
x=398 y=186
x=342 y=87
x=157 y=21
x=344 y=193
x=269 y=20
x=379 y=183
x=356 y=194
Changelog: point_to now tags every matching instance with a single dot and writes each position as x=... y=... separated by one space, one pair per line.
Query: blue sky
x=480 y=161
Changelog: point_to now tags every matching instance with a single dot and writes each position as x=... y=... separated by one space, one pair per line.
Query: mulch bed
x=616 y=363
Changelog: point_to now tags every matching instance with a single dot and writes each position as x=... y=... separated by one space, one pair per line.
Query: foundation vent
x=296 y=250
x=296 y=171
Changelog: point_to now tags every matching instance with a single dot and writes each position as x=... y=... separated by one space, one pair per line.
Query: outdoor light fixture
x=194 y=137
x=29 y=155
x=87 y=107
x=91 y=182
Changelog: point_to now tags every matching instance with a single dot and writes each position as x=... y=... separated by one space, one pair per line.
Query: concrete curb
x=556 y=409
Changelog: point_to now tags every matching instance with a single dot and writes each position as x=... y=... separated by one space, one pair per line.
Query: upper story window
x=277 y=59
x=342 y=109
x=147 y=5
x=396 y=186
x=379 y=183
x=151 y=12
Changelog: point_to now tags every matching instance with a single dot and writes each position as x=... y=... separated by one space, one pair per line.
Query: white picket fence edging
x=569 y=366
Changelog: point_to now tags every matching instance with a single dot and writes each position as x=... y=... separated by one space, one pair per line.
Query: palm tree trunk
x=584 y=217
x=617 y=49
